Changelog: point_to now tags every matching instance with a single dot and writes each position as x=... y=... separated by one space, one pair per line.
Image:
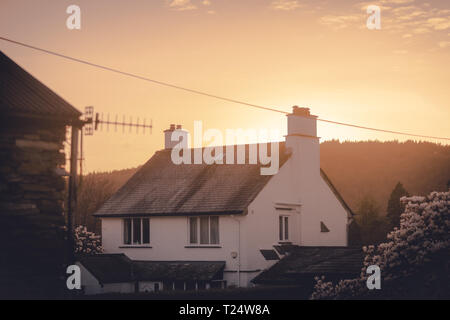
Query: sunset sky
x=275 y=53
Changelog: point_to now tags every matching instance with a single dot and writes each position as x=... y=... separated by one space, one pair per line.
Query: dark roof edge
x=71 y=119
x=181 y=261
x=350 y=212
x=75 y=112
x=171 y=214
x=79 y=258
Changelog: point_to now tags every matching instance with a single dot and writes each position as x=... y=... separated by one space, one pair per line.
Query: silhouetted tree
x=354 y=234
x=94 y=191
x=373 y=226
x=395 y=208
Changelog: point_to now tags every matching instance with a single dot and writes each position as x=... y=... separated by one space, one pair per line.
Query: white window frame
x=284 y=217
x=198 y=244
x=132 y=233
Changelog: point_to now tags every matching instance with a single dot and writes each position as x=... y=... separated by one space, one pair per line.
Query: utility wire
x=132 y=75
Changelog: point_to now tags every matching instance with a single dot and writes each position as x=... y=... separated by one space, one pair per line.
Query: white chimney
x=303 y=142
x=174 y=136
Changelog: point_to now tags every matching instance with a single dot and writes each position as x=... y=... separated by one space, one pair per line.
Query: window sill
x=204 y=246
x=135 y=246
x=284 y=242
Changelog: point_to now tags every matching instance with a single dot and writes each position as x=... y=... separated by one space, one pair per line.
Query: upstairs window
x=284 y=228
x=204 y=230
x=136 y=231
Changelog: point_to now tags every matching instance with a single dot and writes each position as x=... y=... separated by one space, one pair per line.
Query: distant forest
x=359 y=170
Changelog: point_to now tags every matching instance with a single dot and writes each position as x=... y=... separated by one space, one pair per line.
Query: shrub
x=86 y=242
x=414 y=260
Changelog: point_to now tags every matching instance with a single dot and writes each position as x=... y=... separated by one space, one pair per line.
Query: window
x=284 y=228
x=136 y=231
x=204 y=230
x=193 y=230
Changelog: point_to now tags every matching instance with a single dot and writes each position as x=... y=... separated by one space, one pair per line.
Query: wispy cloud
x=444 y=44
x=182 y=5
x=407 y=18
x=338 y=22
x=285 y=5
x=185 y=5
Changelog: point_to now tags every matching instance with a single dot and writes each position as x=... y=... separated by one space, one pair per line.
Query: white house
x=226 y=218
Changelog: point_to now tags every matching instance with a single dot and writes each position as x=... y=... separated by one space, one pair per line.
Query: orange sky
x=274 y=53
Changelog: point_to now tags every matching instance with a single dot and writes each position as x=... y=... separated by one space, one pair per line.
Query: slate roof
x=108 y=268
x=307 y=262
x=179 y=270
x=22 y=94
x=269 y=254
x=161 y=187
x=117 y=268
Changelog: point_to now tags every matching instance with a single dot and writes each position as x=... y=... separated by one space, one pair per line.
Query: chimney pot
x=300 y=111
x=180 y=134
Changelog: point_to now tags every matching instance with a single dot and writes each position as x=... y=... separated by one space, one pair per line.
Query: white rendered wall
x=169 y=241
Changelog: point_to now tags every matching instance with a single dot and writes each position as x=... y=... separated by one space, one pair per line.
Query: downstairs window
x=136 y=231
x=204 y=230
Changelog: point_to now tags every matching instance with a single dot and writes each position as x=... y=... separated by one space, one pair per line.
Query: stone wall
x=32 y=237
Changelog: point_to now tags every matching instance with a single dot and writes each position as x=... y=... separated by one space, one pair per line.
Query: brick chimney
x=174 y=135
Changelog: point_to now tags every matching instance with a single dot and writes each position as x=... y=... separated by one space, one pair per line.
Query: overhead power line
x=132 y=75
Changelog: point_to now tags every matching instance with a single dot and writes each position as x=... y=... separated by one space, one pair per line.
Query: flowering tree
x=414 y=260
x=86 y=242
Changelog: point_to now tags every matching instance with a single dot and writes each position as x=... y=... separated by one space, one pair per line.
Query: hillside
x=372 y=168
x=357 y=169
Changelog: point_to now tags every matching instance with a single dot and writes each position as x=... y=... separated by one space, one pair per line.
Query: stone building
x=33 y=127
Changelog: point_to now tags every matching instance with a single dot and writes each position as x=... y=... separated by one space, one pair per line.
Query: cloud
x=285 y=5
x=396 y=1
x=182 y=5
x=444 y=44
x=338 y=22
x=439 y=23
x=403 y=17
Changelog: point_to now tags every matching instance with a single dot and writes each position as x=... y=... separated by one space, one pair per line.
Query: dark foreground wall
x=32 y=236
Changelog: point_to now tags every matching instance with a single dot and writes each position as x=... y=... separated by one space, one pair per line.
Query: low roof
x=161 y=187
x=108 y=268
x=179 y=270
x=308 y=262
x=22 y=94
x=118 y=268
